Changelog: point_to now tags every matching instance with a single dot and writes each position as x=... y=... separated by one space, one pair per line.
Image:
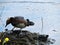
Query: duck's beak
x=7 y=22
x=5 y=25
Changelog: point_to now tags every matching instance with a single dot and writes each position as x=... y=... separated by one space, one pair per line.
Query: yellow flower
x=6 y=39
x=0 y=40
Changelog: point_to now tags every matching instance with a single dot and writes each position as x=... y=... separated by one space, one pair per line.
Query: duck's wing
x=19 y=18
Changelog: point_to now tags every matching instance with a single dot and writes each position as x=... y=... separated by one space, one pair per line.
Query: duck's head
x=9 y=21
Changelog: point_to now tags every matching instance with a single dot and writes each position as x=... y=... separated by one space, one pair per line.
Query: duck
x=19 y=22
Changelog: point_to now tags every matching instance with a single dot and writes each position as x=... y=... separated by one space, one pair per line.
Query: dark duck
x=19 y=22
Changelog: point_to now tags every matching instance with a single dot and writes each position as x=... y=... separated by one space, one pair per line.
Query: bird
x=19 y=22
